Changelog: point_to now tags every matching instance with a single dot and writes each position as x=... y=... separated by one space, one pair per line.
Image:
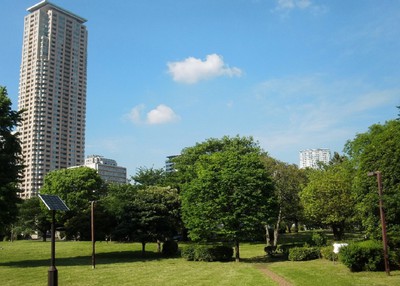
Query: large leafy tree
x=145 y=177
x=328 y=198
x=378 y=149
x=288 y=180
x=10 y=160
x=77 y=187
x=32 y=218
x=225 y=190
x=156 y=215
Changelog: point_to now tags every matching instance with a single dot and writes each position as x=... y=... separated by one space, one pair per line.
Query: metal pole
x=52 y=278
x=383 y=222
x=93 y=239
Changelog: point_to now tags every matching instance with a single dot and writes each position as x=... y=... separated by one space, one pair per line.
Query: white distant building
x=108 y=169
x=311 y=157
x=169 y=165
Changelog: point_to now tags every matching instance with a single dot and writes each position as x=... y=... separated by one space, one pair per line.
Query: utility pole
x=378 y=175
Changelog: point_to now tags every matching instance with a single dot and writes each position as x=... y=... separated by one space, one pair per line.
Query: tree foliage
x=288 y=180
x=10 y=160
x=145 y=177
x=144 y=215
x=225 y=189
x=378 y=149
x=328 y=199
x=32 y=217
x=77 y=187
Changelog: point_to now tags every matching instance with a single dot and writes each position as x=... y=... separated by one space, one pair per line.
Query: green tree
x=32 y=217
x=156 y=215
x=118 y=204
x=10 y=161
x=378 y=149
x=288 y=180
x=145 y=177
x=77 y=187
x=226 y=192
x=328 y=198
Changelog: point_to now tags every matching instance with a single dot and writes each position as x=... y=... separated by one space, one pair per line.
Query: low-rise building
x=108 y=169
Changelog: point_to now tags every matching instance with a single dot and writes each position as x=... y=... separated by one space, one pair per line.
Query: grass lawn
x=27 y=263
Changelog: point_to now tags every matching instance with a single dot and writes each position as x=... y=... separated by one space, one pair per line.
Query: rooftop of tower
x=45 y=2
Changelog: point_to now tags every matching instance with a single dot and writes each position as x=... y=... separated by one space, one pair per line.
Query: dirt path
x=279 y=279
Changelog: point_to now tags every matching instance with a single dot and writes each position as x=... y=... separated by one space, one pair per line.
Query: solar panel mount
x=53 y=202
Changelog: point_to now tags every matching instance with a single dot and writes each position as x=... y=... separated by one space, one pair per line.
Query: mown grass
x=27 y=263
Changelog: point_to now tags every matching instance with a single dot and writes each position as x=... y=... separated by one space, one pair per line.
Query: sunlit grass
x=27 y=263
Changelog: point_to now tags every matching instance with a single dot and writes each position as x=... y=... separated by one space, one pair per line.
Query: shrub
x=199 y=252
x=269 y=250
x=170 y=248
x=318 y=239
x=189 y=252
x=363 y=256
x=327 y=253
x=303 y=253
x=221 y=253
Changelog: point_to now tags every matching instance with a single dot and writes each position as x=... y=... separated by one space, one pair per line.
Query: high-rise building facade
x=107 y=169
x=310 y=157
x=52 y=91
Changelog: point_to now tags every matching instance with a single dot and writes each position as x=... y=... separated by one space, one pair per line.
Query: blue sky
x=163 y=74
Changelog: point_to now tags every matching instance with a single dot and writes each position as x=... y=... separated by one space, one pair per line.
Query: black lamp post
x=383 y=221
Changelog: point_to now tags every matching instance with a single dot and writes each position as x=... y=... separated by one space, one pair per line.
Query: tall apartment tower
x=52 y=91
x=311 y=157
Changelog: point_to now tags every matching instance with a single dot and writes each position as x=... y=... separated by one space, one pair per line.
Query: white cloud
x=160 y=115
x=135 y=114
x=192 y=70
x=292 y=4
x=286 y=6
x=317 y=111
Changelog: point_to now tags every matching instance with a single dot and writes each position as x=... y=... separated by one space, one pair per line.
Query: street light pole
x=378 y=175
x=92 y=232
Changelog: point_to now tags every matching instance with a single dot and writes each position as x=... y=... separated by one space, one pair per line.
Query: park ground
x=27 y=263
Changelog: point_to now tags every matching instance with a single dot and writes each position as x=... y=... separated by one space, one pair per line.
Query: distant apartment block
x=108 y=169
x=52 y=91
x=169 y=165
x=310 y=157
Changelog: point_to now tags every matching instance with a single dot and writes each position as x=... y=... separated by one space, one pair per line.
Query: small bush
x=198 y=252
x=327 y=253
x=189 y=252
x=363 y=256
x=318 y=239
x=303 y=253
x=270 y=250
x=222 y=253
x=170 y=248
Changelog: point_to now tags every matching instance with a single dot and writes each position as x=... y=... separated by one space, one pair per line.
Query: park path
x=277 y=278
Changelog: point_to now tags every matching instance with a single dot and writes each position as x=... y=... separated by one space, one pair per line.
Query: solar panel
x=53 y=202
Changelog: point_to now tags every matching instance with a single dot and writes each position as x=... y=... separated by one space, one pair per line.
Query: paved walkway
x=277 y=278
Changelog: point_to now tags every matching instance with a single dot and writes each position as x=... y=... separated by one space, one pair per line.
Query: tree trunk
x=237 y=254
x=276 y=228
x=338 y=230
x=143 y=248
x=158 y=246
x=267 y=236
x=296 y=225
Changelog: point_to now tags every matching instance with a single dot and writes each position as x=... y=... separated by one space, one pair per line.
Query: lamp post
x=378 y=175
x=92 y=234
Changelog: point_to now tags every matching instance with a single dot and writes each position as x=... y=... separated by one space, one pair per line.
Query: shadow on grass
x=265 y=259
x=101 y=258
